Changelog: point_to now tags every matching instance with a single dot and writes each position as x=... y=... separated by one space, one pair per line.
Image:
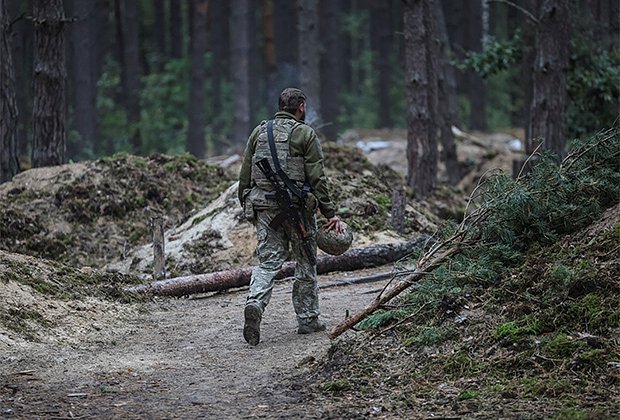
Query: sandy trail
x=181 y=358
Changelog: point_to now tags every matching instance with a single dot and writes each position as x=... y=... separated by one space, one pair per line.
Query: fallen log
x=354 y=259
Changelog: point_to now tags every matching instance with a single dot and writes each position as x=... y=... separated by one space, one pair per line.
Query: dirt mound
x=48 y=302
x=87 y=214
x=544 y=340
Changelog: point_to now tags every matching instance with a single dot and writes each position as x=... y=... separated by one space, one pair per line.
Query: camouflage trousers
x=273 y=249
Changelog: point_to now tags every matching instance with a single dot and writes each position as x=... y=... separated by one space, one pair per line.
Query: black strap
x=276 y=163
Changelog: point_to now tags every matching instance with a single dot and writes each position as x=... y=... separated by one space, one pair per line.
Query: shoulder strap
x=276 y=163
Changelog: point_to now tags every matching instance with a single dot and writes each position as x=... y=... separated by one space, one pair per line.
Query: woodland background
x=173 y=76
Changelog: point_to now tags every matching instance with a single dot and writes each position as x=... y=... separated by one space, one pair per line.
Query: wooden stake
x=159 y=253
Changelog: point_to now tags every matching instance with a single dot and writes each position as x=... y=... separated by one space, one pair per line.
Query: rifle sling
x=276 y=163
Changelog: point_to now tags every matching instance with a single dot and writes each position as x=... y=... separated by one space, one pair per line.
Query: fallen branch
x=431 y=260
x=354 y=259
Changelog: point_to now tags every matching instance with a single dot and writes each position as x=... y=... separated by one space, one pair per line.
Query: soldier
x=299 y=156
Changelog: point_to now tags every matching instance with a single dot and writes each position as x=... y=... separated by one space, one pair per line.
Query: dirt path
x=181 y=358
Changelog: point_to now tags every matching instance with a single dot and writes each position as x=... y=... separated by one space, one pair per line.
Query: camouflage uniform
x=302 y=160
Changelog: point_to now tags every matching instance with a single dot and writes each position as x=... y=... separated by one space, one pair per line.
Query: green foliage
x=113 y=125
x=336 y=385
x=427 y=335
x=498 y=55
x=563 y=346
x=461 y=365
x=552 y=202
x=593 y=87
x=359 y=104
x=163 y=104
x=513 y=331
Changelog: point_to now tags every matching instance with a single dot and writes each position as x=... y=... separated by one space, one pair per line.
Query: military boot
x=311 y=326
x=251 y=330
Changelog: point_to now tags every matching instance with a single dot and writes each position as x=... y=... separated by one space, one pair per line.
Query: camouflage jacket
x=303 y=143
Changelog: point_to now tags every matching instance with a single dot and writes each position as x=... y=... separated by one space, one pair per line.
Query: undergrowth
x=529 y=307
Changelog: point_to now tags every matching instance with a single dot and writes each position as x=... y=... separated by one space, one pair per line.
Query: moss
x=468 y=394
x=512 y=331
x=461 y=365
x=336 y=385
x=20 y=321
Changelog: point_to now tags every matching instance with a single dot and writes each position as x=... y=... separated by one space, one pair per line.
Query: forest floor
x=73 y=345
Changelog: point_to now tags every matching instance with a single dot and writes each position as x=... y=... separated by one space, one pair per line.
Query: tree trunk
x=197 y=119
x=83 y=51
x=447 y=101
x=269 y=51
x=549 y=77
x=476 y=86
x=240 y=71
x=132 y=70
x=422 y=97
x=22 y=55
x=218 y=25
x=49 y=135
x=176 y=29
x=9 y=161
x=331 y=65
x=354 y=259
x=160 y=33
x=309 y=59
x=381 y=40
x=285 y=29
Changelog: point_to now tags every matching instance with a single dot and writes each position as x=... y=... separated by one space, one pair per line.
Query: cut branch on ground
x=354 y=259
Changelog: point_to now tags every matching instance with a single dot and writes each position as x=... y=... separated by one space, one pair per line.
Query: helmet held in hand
x=332 y=242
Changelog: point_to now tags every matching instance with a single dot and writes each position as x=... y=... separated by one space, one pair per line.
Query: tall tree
x=287 y=46
x=22 y=54
x=240 y=48
x=49 y=133
x=309 y=58
x=84 y=91
x=159 y=9
x=476 y=89
x=547 y=115
x=197 y=118
x=218 y=30
x=9 y=161
x=447 y=109
x=421 y=96
x=176 y=29
x=331 y=64
x=132 y=69
x=381 y=42
x=269 y=50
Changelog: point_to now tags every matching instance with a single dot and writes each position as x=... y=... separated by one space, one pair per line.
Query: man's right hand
x=334 y=223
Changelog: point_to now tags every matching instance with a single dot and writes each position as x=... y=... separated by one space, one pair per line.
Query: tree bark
x=422 y=98
x=240 y=70
x=9 y=161
x=309 y=59
x=476 y=85
x=354 y=259
x=49 y=133
x=381 y=41
x=196 y=144
x=447 y=101
x=132 y=70
x=176 y=29
x=159 y=10
x=287 y=47
x=331 y=65
x=547 y=115
x=269 y=51
x=218 y=26
x=83 y=51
